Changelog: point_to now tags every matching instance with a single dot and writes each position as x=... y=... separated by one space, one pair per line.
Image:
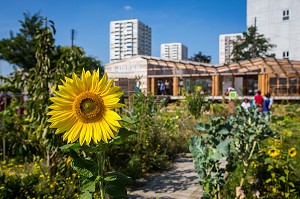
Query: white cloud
x=127 y=7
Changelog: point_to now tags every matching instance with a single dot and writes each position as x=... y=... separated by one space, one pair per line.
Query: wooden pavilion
x=280 y=77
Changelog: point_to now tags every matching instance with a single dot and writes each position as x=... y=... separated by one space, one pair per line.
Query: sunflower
x=292 y=152
x=273 y=152
x=83 y=107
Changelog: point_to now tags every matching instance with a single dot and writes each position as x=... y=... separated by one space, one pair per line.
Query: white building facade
x=129 y=38
x=279 y=21
x=174 y=51
x=226 y=46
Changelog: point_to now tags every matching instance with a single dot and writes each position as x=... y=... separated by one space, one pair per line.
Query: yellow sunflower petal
x=96 y=135
x=89 y=132
x=104 y=134
x=61 y=101
x=98 y=132
x=76 y=129
x=82 y=108
x=114 y=128
x=112 y=91
x=108 y=129
x=113 y=106
x=82 y=135
x=112 y=115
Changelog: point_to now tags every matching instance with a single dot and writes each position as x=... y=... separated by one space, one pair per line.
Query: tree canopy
x=251 y=45
x=199 y=57
x=20 y=49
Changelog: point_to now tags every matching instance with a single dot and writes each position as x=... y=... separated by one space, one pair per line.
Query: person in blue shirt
x=162 y=88
x=266 y=103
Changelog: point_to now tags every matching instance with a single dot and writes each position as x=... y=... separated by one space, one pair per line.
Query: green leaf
x=215 y=156
x=128 y=120
x=223 y=131
x=69 y=147
x=84 y=166
x=100 y=147
x=122 y=136
x=286 y=171
x=273 y=175
x=115 y=183
x=116 y=192
x=223 y=147
x=282 y=178
x=202 y=127
x=270 y=167
x=291 y=184
x=110 y=178
x=88 y=185
x=86 y=195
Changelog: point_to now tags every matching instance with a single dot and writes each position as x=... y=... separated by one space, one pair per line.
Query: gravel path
x=180 y=182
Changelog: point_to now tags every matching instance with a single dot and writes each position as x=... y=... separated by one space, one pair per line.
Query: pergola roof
x=166 y=67
x=254 y=66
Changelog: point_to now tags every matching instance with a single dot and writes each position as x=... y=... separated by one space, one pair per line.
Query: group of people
x=165 y=88
x=264 y=104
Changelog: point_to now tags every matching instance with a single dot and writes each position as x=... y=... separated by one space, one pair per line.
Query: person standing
x=258 y=100
x=162 y=88
x=271 y=101
x=246 y=104
x=181 y=86
x=266 y=106
x=167 y=87
x=138 y=86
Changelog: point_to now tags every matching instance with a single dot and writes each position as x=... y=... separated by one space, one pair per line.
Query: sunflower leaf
x=69 y=147
x=88 y=185
x=86 y=195
x=84 y=166
x=122 y=136
x=101 y=146
x=115 y=184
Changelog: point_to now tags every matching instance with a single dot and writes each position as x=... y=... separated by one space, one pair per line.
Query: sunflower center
x=89 y=107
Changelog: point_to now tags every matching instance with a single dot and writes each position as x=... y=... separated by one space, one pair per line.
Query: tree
x=251 y=45
x=20 y=49
x=199 y=57
x=74 y=58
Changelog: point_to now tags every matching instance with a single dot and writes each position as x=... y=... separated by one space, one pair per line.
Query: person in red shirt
x=258 y=100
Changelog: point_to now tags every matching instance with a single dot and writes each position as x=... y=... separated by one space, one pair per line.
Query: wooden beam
x=292 y=66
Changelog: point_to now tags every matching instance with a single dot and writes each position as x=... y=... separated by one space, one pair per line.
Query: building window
x=285 y=54
x=285 y=15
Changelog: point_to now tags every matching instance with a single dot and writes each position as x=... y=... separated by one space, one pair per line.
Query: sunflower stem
x=101 y=164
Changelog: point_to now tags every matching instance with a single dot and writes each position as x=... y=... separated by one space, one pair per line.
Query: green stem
x=287 y=188
x=219 y=191
x=246 y=164
x=101 y=164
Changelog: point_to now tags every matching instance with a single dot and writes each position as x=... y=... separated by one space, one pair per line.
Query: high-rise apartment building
x=129 y=38
x=278 y=20
x=175 y=51
x=226 y=46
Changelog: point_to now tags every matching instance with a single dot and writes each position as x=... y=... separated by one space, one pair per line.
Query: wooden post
x=262 y=84
x=215 y=85
x=152 y=86
x=175 y=86
x=259 y=83
x=267 y=83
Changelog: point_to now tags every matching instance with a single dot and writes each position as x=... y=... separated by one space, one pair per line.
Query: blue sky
x=195 y=23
